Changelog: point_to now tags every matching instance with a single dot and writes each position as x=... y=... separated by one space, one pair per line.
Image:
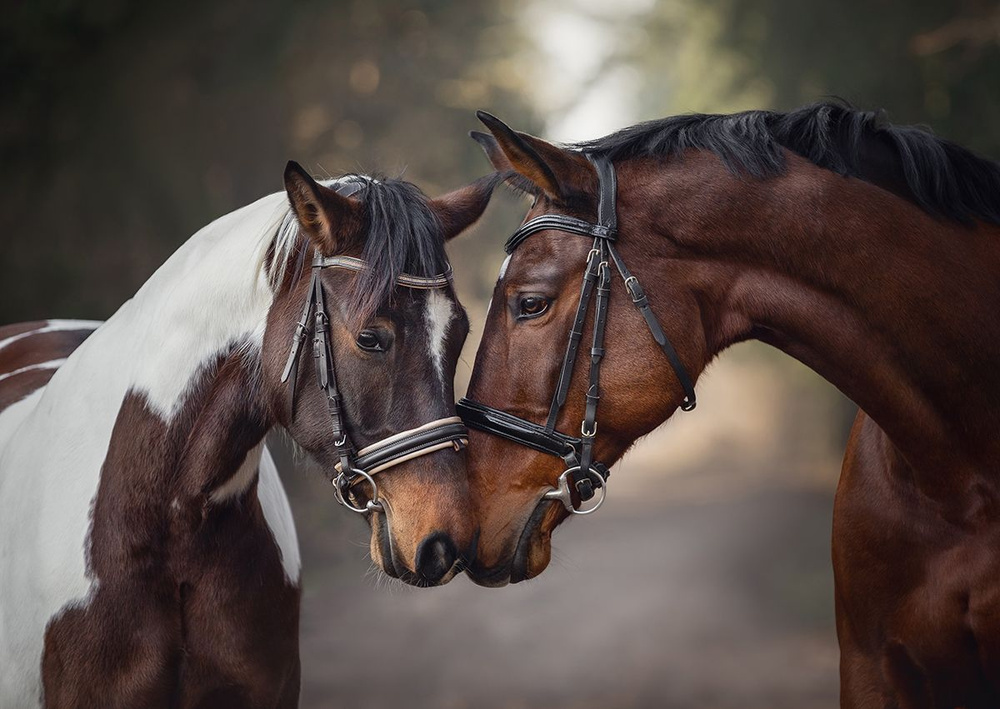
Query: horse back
x=31 y=352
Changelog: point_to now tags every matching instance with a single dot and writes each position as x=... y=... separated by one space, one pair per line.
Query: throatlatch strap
x=641 y=302
x=291 y=370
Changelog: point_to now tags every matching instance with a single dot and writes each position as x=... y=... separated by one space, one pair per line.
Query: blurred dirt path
x=720 y=604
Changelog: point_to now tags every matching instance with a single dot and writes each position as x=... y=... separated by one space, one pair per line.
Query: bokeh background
x=705 y=581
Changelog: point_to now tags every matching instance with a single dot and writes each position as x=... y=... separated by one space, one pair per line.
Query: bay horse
x=868 y=251
x=148 y=556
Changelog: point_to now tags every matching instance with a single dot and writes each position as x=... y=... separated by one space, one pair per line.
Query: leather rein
x=362 y=465
x=583 y=474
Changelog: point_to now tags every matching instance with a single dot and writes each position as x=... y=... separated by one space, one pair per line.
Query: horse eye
x=532 y=306
x=369 y=341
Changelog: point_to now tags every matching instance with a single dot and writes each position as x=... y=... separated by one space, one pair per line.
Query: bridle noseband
x=353 y=467
x=586 y=475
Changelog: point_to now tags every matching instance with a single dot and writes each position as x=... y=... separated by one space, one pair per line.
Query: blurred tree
x=124 y=127
x=925 y=61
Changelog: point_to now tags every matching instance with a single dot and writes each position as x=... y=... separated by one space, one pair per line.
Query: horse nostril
x=435 y=557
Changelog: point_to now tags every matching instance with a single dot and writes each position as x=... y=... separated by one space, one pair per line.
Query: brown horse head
x=533 y=310
x=825 y=232
x=394 y=349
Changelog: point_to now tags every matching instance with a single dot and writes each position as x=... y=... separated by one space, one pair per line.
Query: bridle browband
x=355 y=466
x=585 y=474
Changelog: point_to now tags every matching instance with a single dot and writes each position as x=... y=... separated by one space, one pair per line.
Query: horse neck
x=210 y=296
x=156 y=364
x=895 y=308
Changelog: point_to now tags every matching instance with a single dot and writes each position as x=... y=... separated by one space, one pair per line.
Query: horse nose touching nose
x=436 y=556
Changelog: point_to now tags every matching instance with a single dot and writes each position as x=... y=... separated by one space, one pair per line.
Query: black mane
x=403 y=235
x=941 y=177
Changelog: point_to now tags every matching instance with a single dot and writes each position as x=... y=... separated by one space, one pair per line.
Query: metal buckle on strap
x=634 y=289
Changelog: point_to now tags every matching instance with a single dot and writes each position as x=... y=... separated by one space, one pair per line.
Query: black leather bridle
x=355 y=466
x=585 y=475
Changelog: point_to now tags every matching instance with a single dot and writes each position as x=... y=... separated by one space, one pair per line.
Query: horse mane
x=402 y=235
x=941 y=177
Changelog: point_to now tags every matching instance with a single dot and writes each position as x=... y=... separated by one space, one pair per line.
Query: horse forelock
x=402 y=235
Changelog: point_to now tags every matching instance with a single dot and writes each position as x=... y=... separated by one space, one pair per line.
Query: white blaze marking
x=503 y=272
x=438 y=316
x=503 y=268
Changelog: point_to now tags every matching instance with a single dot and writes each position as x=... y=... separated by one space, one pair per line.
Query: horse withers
x=868 y=251
x=148 y=555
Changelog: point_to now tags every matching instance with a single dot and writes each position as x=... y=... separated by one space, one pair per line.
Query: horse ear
x=493 y=152
x=556 y=171
x=459 y=209
x=329 y=219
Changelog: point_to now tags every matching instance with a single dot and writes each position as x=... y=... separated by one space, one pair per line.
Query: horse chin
x=496 y=577
x=532 y=552
x=534 y=548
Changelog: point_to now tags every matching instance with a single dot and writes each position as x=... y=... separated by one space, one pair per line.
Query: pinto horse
x=148 y=556
x=868 y=251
